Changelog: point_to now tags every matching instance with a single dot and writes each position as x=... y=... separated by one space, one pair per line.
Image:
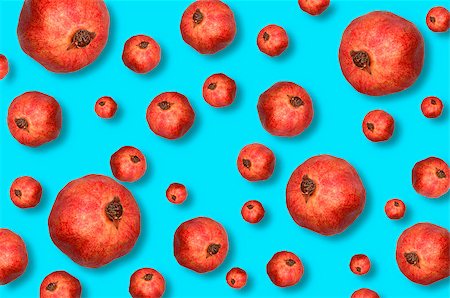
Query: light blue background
x=205 y=159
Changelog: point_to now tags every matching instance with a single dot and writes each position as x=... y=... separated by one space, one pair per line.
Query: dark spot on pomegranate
x=173 y=197
x=212 y=86
x=370 y=126
x=440 y=174
x=148 y=276
x=361 y=59
x=81 y=39
x=233 y=281
x=358 y=269
x=290 y=262
x=102 y=103
x=18 y=193
x=213 y=249
x=250 y=206
x=51 y=286
x=247 y=163
x=296 y=101
x=198 y=16
x=432 y=19
x=412 y=258
x=135 y=159
x=114 y=211
x=307 y=187
x=143 y=44
x=266 y=36
x=21 y=123
x=396 y=204
x=433 y=102
x=164 y=105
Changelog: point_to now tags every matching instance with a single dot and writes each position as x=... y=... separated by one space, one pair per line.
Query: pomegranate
x=423 y=253
x=438 y=19
x=395 y=209
x=430 y=177
x=432 y=107
x=364 y=293
x=128 y=164
x=176 y=193
x=147 y=282
x=34 y=119
x=105 y=107
x=314 y=7
x=208 y=26
x=63 y=35
x=360 y=264
x=236 y=278
x=285 y=109
x=94 y=220
x=381 y=53
x=13 y=256
x=285 y=269
x=378 y=126
x=272 y=40
x=219 y=90
x=256 y=162
x=141 y=54
x=200 y=244
x=25 y=192
x=252 y=211
x=170 y=115
x=4 y=66
x=60 y=284
x=325 y=195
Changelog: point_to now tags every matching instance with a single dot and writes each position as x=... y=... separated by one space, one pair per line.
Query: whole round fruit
x=63 y=35
x=285 y=269
x=430 y=177
x=34 y=119
x=364 y=293
x=378 y=126
x=208 y=26
x=432 y=107
x=105 y=107
x=423 y=253
x=13 y=256
x=438 y=19
x=272 y=40
x=60 y=284
x=141 y=54
x=360 y=264
x=128 y=164
x=395 y=209
x=200 y=244
x=256 y=162
x=314 y=7
x=219 y=90
x=325 y=194
x=176 y=193
x=236 y=278
x=285 y=109
x=252 y=211
x=381 y=53
x=25 y=192
x=94 y=220
x=170 y=115
x=4 y=66
x=147 y=282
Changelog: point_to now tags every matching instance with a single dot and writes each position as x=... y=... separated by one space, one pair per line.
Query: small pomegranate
x=256 y=162
x=219 y=90
x=13 y=256
x=236 y=278
x=60 y=284
x=105 y=107
x=170 y=115
x=378 y=126
x=364 y=293
x=423 y=253
x=200 y=244
x=360 y=264
x=176 y=193
x=438 y=19
x=128 y=164
x=147 y=282
x=430 y=177
x=34 y=119
x=314 y=7
x=395 y=209
x=25 y=192
x=432 y=107
x=285 y=269
x=141 y=54
x=252 y=211
x=272 y=40
x=4 y=66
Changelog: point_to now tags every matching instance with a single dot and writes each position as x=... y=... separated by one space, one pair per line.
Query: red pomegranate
x=314 y=7
x=128 y=164
x=94 y=220
x=395 y=209
x=378 y=126
x=256 y=162
x=360 y=264
x=13 y=256
x=438 y=19
x=432 y=107
x=176 y=193
x=219 y=90
x=423 y=253
x=431 y=177
x=365 y=293
x=63 y=35
x=325 y=195
x=381 y=53
x=141 y=54
x=236 y=278
x=147 y=283
x=252 y=211
x=34 y=119
x=4 y=66
x=200 y=244
x=25 y=192
x=285 y=269
x=105 y=107
x=60 y=284
x=272 y=40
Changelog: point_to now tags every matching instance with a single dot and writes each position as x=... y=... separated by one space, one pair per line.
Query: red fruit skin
x=25 y=192
x=47 y=27
x=236 y=278
x=141 y=54
x=252 y=211
x=336 y=201
x=285 y=109
x=423 y=253
x=208 y=26
x=438 y=19
x=272 y=40
x=4 y=66
x=360 y=264
x=170 y=115
x=256 y=162
x=200 y=244
x=285 y=269
x=128 y=164
x=13 y=256
x=432 y=107
x=378 y=126
x=81 y=227
x=105 y=107
x=395 y=209
x=365 y=293
x=34 y=119
x=219 y=90
x=394 y=48
x=148 y=283
x=314 y=7
x=430 y=177
x=60 y=284
x=176 y=193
